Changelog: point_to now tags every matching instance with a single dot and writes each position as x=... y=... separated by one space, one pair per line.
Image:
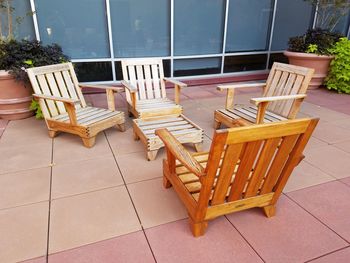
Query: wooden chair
x=144 y=84
x=246 y=167
x=283 y=93
x=63 y=105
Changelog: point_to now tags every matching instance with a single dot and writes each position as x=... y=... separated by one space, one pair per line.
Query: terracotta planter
x=318 y=62
x=15 y=98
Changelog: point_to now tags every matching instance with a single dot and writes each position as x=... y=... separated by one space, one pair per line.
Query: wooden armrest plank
x=256 y=101
x=241 y=85
x=55 y=98
x=175 y=82
x=116 y=89
x=129 y=86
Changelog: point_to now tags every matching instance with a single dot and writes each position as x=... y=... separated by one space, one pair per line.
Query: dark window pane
x=248 y=25
x=93 y=71
x=245 y=63
x=198 y=26
x=199 y=66
x=277 y=57
x=119 y=72
x=140 y=28
x=293 y=18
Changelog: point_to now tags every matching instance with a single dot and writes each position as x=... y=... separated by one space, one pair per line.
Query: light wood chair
x=63 y=105
x=283 y=93
x=246 y=167
x=144 y=84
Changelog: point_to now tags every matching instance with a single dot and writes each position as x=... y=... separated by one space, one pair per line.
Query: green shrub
x=35 y=106
x=339 y=73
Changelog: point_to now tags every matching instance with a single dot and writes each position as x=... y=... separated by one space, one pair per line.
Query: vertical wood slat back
x=286 y=79
x=55 y=80
x=146 y=75
x=253 y=160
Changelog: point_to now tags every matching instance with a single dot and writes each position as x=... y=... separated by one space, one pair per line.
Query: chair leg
x=136 y=137
x=198 y=146
x=198 y=228
x=89 y=142
x=52 y=133
x=121 y=127
x=166 y=182
x=270 y=210
x=217 y=124
x=151 y=155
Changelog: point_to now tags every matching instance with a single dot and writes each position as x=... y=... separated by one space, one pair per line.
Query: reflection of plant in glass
x=329 y=12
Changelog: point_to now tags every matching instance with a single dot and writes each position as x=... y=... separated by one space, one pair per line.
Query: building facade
x=196 y=38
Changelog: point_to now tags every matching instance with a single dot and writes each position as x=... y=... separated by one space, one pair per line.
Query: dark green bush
x=339 y=73
x=16 y=56
x=321 y=40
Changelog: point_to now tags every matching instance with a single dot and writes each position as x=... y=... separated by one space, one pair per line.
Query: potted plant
x=15 y=57
x=313 y=49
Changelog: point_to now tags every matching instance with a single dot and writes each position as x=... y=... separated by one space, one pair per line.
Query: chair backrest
x=55 y=80
x=285 y=79
x=253 y=163
x=146 y=75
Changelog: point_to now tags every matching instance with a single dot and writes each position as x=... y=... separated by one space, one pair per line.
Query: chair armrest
x=241 y=85
x=176 y=82
x=257 y=101
x=48 y=97
x=179 y=152
x=129 y=86
x=116 y=89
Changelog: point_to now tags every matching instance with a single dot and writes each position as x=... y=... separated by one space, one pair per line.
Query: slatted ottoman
x=181 y=127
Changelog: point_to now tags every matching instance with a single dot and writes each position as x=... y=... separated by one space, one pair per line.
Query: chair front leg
x=110 y=99
x=261 y=112
x=229 y=99
x=177 y=94
x=71 y=113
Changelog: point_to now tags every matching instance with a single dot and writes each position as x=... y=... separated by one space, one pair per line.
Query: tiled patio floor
x=61 y=202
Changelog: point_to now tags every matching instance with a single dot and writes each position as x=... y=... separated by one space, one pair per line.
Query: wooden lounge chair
x=63 y=105
x=283 y=93
x=144 y=84
x=246 y=167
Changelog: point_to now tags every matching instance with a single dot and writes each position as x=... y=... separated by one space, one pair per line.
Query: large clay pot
x=318 y=62
x=15 y=98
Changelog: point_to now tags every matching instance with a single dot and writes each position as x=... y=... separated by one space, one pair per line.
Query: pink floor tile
x=36 y=260
x=129 y=248
x=329 y=202
x=3 y=123
x=174 y=242
x=340 y=256
x=292 y=235
x=346 y=181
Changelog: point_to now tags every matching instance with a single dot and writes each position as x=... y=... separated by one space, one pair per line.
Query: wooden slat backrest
x=146 y=75
x=55 y=80
x=286 y=79
x=256 y=160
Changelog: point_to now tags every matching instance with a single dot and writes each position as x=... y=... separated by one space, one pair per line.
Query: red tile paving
x=310 y=223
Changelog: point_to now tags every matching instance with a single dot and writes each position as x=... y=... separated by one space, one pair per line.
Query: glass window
x=248 y=25
x=22 y=21
x=79 y=26
x=93 y=71
x=198 y=26
x=245 y=63
x=343 y=25
x=293 y=18
x=140 y=28
x=277 y=57
x=199 y=66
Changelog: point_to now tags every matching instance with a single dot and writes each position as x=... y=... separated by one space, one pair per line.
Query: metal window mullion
x=172 y=38
x=271 y=32
x=315 y=17
x=110 y=37
x=225 y=34
x=35 y=20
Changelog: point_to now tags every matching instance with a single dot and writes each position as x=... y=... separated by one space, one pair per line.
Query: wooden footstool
x=181 y=127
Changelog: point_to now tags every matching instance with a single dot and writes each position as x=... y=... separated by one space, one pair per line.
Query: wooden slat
x=244 y=170
x=161 y=79
x=140 y=81
x=230 y=161
x=286 y=91
x=294 y=90
x=54 y=90
x=105 y=116
x=149 y=85
x=161 y=125
x=275 y=77
x=278 y=91
x=37 y=90
x=156 y=82
x=133 y=80
x=45 y=90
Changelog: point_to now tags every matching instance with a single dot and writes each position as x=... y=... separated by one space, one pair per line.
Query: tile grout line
x=256 y=252
x=132 y=202
x=49 y=213
x=329 y=253
x=319 y=220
